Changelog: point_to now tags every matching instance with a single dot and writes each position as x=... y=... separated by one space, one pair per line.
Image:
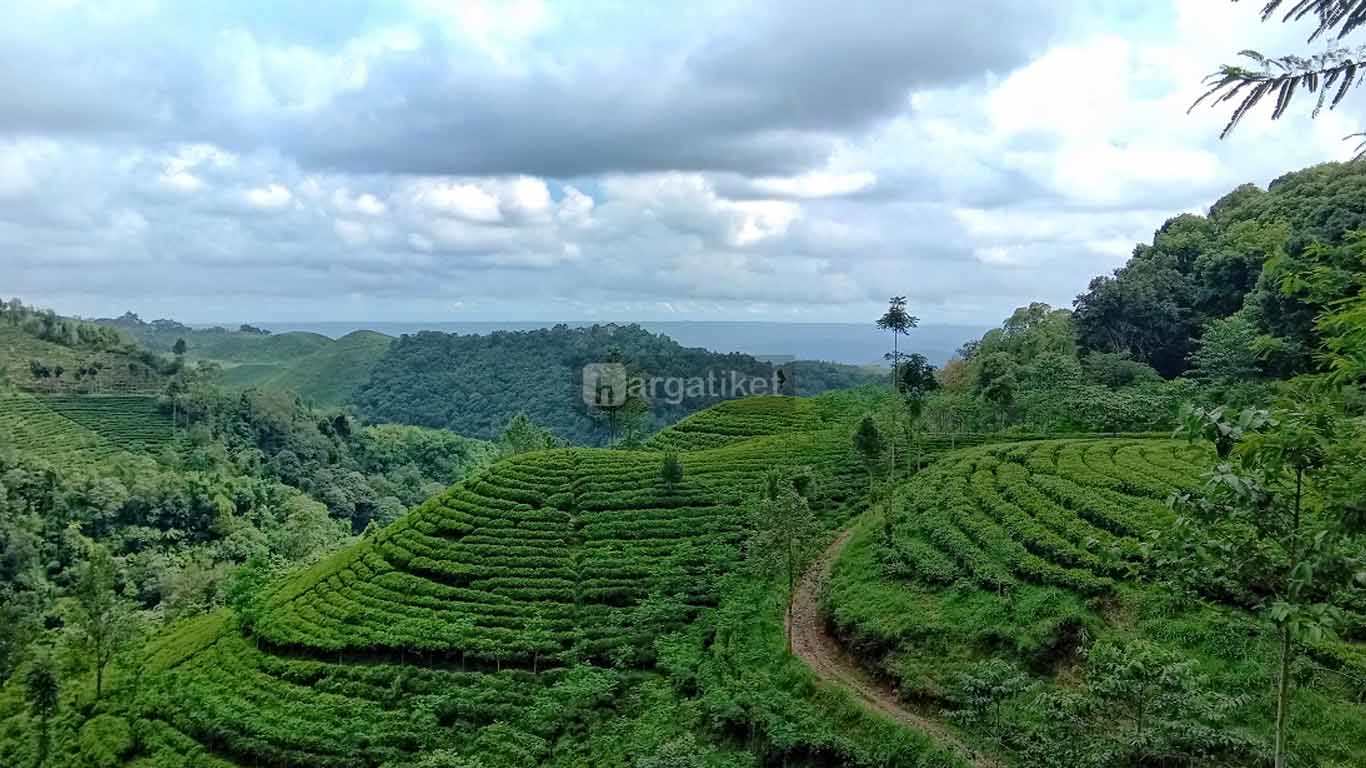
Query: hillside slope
x=26 y=422
x=75 y=368
x=331 y=375
x=1000 y=586
x=463 y=624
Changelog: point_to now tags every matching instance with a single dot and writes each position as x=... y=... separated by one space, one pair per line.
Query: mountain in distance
x=847 y=343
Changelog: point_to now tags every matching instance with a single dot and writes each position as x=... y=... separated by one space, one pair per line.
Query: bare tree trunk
x=896 y=362
x=1283 y=697
x=791 y=588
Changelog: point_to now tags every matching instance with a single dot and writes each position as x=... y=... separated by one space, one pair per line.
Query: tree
x=1140 y=677
x=997 y=382
x=43 y=689
x=1254 y=529
x=984 y=688
x=868 y=443
x=522 y=435
x=784 y=533
x=101 y=621
x=1337 y=68
x=900 y=322
x=1344 y=335
x=671 y=471
x=916 y=383
x=179 y=347
x=1226 y=350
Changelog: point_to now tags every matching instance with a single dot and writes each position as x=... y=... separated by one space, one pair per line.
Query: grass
x=275 y=349
x=19 y=348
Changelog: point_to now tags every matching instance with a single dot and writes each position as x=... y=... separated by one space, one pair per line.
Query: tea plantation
x=25 y=420
x=1005 y=587
x=84 y=426
x=534 y=587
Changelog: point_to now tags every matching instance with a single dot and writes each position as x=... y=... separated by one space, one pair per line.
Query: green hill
x=236 y=347
x=473 y=384
x=83 y=368
x=999 y=585
x=331 y=374
x=243 y=375
x=494 y=617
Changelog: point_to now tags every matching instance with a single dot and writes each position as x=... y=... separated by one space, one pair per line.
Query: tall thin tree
x=900 y=322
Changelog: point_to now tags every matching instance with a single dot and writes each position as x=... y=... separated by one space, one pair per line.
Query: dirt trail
x=827 y=658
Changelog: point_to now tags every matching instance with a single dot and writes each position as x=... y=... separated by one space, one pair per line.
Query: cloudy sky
x=482 y=160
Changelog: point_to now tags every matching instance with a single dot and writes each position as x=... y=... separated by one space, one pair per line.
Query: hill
x=331 y=374
x=512 y=617
x=282 y=349
x=999 y=585
x=132 y=422
x=475 y=384
x=36 y=358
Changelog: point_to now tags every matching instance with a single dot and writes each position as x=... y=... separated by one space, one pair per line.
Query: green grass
x=1029 y=553
x=243 y=375
x=19 y=348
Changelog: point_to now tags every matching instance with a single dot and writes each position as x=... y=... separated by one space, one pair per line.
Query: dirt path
x=827 y=658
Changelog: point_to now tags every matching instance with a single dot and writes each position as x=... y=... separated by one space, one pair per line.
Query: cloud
x=268 y=197
x=795 y=160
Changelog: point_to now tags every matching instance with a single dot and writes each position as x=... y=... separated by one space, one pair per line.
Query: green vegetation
x=27 y=421
x=475 y=384
x=517 y=617
x=1037 y=575
x=43 y=352
x=131 y=422
x=331 y=375
x=1009 y=586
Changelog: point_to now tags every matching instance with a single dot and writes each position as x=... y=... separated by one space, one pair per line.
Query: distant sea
x=852 y=343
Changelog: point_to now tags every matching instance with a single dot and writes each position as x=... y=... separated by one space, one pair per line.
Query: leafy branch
x=1335 y=71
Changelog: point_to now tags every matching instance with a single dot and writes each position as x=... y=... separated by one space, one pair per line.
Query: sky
x=780 y=160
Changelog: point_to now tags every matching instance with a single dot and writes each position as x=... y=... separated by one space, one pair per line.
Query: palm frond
x=1339 y=17
x=1282 y=76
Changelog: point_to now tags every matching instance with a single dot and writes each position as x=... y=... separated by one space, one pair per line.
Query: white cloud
x=817 y=184
x=269 y=197
x=352 y=233
x=364 y=203
x=764 y=186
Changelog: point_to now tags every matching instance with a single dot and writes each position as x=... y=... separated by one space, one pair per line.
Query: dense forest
x=473 y=384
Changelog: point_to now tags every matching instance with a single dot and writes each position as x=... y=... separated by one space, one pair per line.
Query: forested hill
x=1254 y=274
x=473 y=384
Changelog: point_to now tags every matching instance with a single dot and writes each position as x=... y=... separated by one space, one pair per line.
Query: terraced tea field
x=131 y=422
x=1066 y=514
x=1031 y=554
x=479 y=603
x=27 y=423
